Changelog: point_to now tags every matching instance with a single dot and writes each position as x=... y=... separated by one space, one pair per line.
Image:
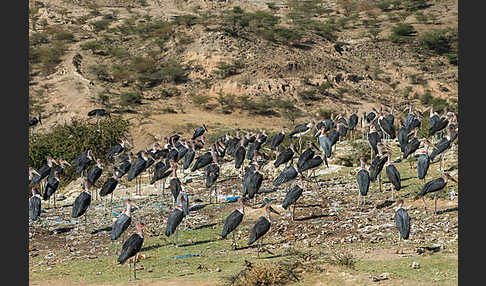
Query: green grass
x=214 y=253
x=434 y=268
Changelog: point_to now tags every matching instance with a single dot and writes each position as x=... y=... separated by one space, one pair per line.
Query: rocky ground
x=327 y=220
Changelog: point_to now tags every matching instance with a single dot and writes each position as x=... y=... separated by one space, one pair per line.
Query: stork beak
x=67 y=163
x=273 y=210
x=54 y=161
x=35 y=172
x=454 y=180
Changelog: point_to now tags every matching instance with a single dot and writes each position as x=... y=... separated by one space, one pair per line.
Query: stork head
x=139 y=227
x=447 y=176
x=398 y=204
x=34 y=191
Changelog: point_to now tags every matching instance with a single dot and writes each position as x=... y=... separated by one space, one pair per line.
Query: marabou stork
x=32 y=174
x=95 y=173
x=377 y=164
x=307 y=160
x=174 y=183
x=261 y=227
x=363 y=179
x=59 y=168
x=373 y=139
x=325 y=143
x=124 y=167
x=34 y=121
x=82 y=162
x=212 y=174
x=34 y=205
x=287 y=175
x=436 y=123
x=161 y=172
x=123 y=221
x=291 y=198
x=393 y=175
x=233 y=220
x=433 y=187
x=412 y=146
x=138 y=167
x=204 y=160
x=285 y=156
x=239 y=154
x=402 y=136
x=44 y=171
x=300 y=130
x=130 y=249
x=423 y=161
x=174 y=220
x=98 y=113
x=255 y=146
x=233 y=143
x=199 y=132
x=82 y=202
x=117 y=149
x=353 y=122
x=276 y=140
x=51 y=188
x=402 y=222
x=252 y=183
x=189 y=156
x=442 y=146
x=109 y=187
x=386 y=124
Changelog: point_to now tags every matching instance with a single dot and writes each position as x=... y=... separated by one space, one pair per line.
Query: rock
x=415 y=265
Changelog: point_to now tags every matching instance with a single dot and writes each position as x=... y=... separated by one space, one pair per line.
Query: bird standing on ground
x=261 y=227
x=285 y=156
x=199 y=132
x=423 y=161
x=402 y=222
x=117 y=149
x=123 y=221
x=109 y=187
x=130 y=249
x=34 y=205
x=82 y=202
x=433 y=187
x=173 y=221
x=393 y=175
x=233 y=220
x=212 y=174
x=363 y=179
x=291 y=198
x=95 y=173
x=51 y=187
x=82 y=161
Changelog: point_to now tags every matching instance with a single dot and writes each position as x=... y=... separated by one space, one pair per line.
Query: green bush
x=173 y=72
x=130 y=98
x=200 y=99
x=101 y=25
x=68 y=140
x=402 y=32
x=91 y=45
x=224 y=70
x=439 y=41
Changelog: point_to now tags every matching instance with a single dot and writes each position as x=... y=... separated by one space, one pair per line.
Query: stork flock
x=292 y=164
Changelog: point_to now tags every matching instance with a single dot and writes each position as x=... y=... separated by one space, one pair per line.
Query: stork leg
x=111 y=204
x=135 y=267
x=435 y=204
x=234 y=241
x=359 y=195
x=54 y=200
x=129 y=271
x=425 y=207
x=177 y=236
x=293 y=212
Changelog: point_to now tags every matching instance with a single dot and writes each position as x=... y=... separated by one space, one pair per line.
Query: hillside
x=168 y=66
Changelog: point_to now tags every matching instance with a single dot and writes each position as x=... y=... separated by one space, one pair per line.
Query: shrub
x=228 y=102
x=101 y=25
x=224 y=70
x=441 y=41
x=326 y=113
x=38 y=38
x=402 y=32
x=173 y=72
x=308 y=95
x=91 y=45
x=68 y=140
x=130 y=98
x=200 y=99
x=170 y=92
